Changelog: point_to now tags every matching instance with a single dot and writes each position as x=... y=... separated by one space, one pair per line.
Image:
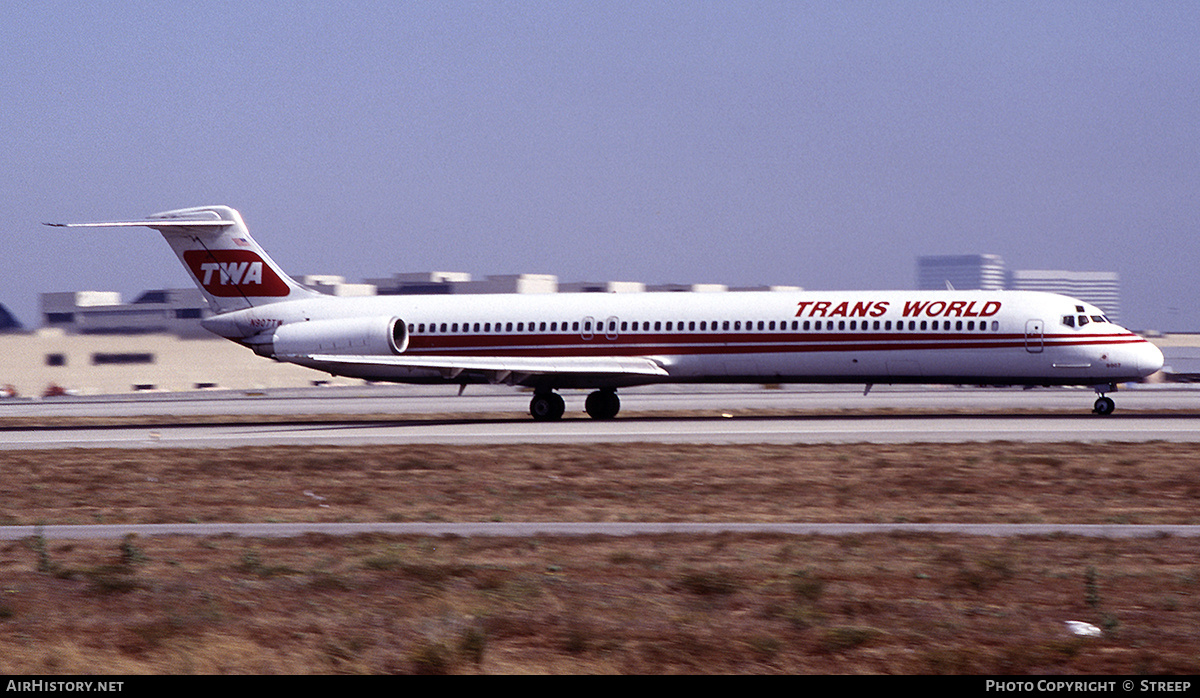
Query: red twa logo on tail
x=227 y=273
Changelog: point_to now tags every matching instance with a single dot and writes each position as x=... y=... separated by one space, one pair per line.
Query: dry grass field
x=899 y=603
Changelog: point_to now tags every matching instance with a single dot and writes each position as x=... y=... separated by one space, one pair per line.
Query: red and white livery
x=608 y=341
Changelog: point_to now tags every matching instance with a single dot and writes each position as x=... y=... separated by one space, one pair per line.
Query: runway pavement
x=410 y=400
x=840 y=429
x=804 y=414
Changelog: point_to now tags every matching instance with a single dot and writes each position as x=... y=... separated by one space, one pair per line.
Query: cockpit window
x=1069 y=320
x=1099 y=318
x=1083 y=320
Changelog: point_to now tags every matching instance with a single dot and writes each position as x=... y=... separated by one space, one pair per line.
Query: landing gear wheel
x=602 y=404
x=547 y=407
x=1104 y=406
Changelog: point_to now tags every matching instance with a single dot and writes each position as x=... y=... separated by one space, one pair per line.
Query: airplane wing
x=502 y=367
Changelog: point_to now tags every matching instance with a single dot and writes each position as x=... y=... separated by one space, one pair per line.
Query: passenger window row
x=722 y=326
x=489 y=327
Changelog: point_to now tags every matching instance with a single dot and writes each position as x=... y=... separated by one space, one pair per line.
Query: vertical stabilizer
x=225 y=262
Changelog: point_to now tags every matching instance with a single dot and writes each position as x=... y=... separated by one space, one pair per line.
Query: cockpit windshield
x=1081 y=320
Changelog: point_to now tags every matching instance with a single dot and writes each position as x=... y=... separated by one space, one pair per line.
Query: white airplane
x=608 y=341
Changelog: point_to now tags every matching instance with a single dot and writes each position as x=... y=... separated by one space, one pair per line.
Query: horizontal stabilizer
x=146 y=224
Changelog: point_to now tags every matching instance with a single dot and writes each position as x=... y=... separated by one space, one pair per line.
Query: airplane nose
x=1149 y=359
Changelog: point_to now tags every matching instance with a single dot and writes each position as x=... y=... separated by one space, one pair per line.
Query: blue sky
x=820 y=144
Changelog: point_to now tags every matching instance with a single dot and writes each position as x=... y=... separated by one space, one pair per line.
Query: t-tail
x=225 y=262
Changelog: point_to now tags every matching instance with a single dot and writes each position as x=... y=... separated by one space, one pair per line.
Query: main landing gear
x=548 y=406
x=602 y=404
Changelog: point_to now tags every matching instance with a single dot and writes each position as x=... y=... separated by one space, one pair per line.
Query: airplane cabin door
x=1034 y=336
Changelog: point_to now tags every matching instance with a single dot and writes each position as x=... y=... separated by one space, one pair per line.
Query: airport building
x=8 y=321
x=688 y=288
x=988 y=272
x=169 y=311
x=1100 y=288
x=969 y=271
x=442 y=282
x=602 y=287
x=417 y=284
x=332 y=285
x=49 y=361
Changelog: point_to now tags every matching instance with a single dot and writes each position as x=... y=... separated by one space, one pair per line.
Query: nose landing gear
x=1104 y=405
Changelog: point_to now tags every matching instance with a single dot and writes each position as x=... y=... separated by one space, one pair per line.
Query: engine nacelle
x=353 y=336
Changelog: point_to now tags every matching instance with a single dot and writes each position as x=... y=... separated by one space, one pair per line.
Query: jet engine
x=352 y=336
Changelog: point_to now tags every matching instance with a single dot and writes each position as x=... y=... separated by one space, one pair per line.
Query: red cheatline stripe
x=689 y=344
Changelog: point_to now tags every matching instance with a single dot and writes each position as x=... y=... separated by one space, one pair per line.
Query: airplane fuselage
x=984 y=337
